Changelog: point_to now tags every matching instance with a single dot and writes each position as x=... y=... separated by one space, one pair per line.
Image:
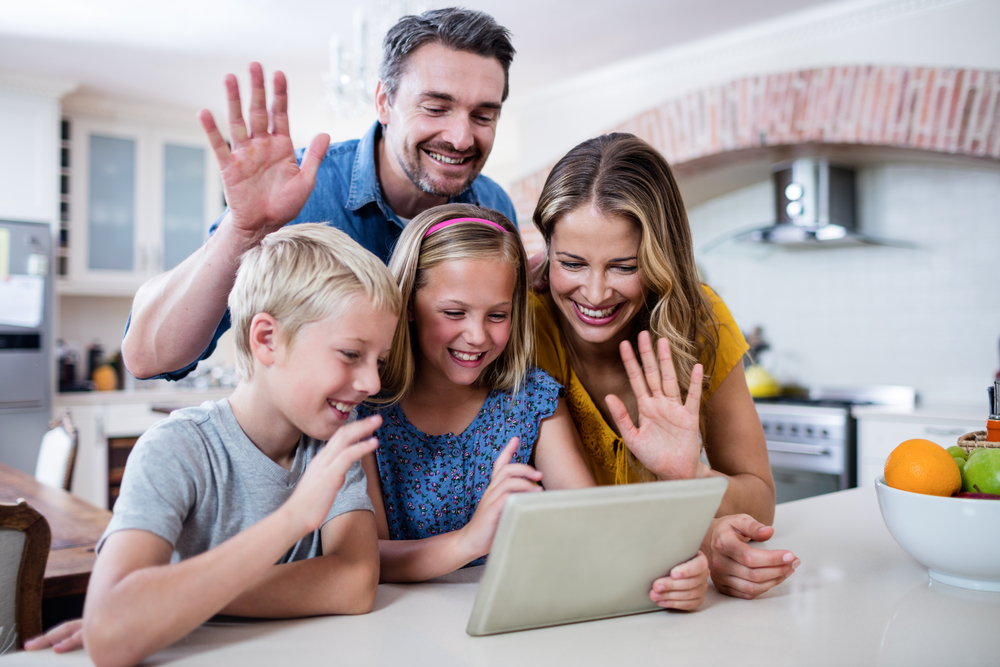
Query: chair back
x=57 y=454
x=24 y=549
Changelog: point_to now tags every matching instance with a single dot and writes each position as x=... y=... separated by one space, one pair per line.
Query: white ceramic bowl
x=957 y=539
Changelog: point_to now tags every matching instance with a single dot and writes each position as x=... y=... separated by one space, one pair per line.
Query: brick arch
x=940 y=110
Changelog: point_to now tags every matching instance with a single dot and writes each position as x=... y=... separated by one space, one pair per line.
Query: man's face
x=442 y=119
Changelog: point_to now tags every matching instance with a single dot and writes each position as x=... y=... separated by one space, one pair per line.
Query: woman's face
x=462 y=316
x=594 y=274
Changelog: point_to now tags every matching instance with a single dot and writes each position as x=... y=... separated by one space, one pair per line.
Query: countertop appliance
x=812 y=440
x=26 y=369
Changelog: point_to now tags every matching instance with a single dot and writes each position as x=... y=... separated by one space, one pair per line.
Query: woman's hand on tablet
x=737 y=568
x=685 y=587
x=507 y=478
x=666 y=440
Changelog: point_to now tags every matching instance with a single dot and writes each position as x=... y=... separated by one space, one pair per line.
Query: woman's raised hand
x=263 y=183
x=666 y=438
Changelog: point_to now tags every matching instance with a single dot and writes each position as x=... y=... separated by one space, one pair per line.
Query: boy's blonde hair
x=300 y=274
x=414 y=255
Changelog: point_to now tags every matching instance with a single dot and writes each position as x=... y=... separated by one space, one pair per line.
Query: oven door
x=804 y=470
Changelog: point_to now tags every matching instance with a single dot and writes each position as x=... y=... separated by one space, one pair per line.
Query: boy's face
x=332 y=366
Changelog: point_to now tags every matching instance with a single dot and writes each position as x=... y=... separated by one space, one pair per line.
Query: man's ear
x=264 y=338
x=382 y=105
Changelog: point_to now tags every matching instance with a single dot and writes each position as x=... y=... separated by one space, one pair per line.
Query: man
x=443 y=79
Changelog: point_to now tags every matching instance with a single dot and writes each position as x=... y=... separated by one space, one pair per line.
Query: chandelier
x=349 y=85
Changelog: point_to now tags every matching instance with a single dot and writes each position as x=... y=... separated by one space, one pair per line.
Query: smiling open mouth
x=448 y=160
x=597 y=314
x=466 y=356
x=341 y=406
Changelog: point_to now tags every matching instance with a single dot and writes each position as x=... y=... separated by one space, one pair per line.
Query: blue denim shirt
x=347 y=196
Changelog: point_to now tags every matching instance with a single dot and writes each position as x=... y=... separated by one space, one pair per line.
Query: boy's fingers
x=237 y=130
x=258 y=101
x=279 y=105
x=690 y=568
x=219 y=146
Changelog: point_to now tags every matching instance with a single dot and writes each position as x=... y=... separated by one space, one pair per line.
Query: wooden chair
x=57 y=454
x=24 y=549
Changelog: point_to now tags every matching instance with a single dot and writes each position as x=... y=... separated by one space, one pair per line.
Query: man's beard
x=419 y=176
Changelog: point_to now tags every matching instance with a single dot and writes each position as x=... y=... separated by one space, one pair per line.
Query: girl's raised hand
x=666 y=438
x=507 y=478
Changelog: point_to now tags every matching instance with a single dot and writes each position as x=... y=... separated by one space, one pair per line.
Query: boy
x=214 y=496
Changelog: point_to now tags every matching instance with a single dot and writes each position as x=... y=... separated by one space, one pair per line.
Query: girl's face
x=594 y=274
x=462 y=317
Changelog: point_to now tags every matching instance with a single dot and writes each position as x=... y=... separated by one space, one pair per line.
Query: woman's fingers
x=634 y=372
x=620 y=414
x=651 y=369
x=670 y=386
x=693 y=402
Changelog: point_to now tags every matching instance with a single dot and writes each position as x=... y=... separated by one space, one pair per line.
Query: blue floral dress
x=432 y=484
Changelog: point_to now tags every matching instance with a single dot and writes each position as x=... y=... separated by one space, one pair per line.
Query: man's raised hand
x=264 y=185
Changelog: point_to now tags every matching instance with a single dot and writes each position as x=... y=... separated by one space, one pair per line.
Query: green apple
x=960 y=461
x=957 y=452
x=982 y=470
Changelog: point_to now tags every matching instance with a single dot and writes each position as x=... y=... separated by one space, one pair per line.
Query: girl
x=464 y=413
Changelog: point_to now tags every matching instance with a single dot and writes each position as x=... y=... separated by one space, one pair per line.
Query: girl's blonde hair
x=621 y=174
x=300 y=274
x=414 y=255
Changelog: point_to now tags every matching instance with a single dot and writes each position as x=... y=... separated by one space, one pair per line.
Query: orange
x=922 y=466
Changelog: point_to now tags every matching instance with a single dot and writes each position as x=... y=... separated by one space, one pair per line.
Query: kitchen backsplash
x=927 y=317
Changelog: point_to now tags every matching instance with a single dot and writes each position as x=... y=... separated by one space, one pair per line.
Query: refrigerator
x=26 y=364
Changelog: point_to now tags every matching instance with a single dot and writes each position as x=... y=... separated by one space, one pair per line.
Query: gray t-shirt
x=195 y=479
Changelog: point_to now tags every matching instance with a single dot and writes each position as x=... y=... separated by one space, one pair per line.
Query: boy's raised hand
x=264 y=185
x=318 y=487
x=507 y=478
x=665 y=440
x=685 y=587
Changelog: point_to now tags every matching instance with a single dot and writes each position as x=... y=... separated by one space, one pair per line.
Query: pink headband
x=448 y=223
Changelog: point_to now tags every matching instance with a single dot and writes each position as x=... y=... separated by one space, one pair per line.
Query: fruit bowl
x=957 y=539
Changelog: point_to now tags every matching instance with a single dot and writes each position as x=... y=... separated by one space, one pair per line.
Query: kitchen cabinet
x=108 y=424
x=880 y=430
x=139 y=198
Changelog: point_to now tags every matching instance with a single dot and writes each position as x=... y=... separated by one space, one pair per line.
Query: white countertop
x=960 y=412
x=857 y=599
x=168 y=395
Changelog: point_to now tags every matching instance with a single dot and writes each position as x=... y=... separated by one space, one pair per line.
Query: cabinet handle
x=935 y=430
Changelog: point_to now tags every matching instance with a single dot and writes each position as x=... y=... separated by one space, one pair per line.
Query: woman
x=620 y=269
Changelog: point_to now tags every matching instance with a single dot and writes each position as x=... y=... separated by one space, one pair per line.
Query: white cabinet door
x=877 y=437
x=90 y=472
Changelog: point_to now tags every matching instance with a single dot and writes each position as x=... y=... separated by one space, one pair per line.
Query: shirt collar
x=364 y=179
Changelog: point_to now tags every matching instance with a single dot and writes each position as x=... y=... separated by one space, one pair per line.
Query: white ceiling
x=177 y=52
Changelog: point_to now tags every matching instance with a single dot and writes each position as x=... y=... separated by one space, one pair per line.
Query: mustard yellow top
x=604 y=451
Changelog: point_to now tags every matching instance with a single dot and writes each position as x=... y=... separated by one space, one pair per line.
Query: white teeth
x=446 y=160
x=596 y=313
x=466 y=357
x=343 y=407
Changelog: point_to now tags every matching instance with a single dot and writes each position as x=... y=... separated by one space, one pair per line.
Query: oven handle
x=792 y=448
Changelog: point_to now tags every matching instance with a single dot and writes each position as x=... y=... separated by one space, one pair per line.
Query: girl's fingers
x=517 y=470
x=670 y=386
x=507 y=454
x=633 y=371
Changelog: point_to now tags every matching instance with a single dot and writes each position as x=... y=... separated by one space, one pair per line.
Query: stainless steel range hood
x=815 y=207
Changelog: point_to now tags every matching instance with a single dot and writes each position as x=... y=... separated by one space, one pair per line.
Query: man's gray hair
x=454 y=27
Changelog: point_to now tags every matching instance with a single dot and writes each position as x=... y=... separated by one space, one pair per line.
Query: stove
x=812 y=441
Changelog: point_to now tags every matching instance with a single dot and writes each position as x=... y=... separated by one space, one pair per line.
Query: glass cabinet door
x=184 y=214
x=111 y=203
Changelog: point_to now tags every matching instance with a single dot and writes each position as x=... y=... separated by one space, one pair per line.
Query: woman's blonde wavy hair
x=621 y=174
x=414 y=255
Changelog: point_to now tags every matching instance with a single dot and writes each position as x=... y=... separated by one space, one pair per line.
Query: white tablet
x=567 y=556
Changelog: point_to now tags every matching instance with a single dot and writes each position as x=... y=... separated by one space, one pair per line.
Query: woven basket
x=970 y=441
